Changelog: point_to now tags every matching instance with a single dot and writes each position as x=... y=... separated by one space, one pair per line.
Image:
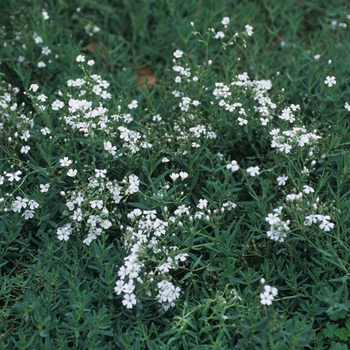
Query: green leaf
x=329 y=330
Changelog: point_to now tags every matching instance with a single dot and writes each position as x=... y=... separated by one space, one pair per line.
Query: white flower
x=129 y=300
x=56 y=105
x=219 y=35
x=100 y=173
x=14 y=176
x=225 y=21
x=229 y=205
x=45 y=131
x=308 y=189
x=45 y=50
x=326 y=225
x=41 y=64
x=34 y=87
x=178 y=54
x=45 y=15
x=28 y=214
x=119 y=285
x=272 y=219
x=96 y=203
x=65 y=162
x=203 y=203
x=174 y=176
x=72 y=172
x=19 y=203
x=80 y=58
x=64 y=232
x=25 y=149
x=183 y=175
x=249 y=30
x=266 y=298
x=133 y=104
x=330 y=81
x=347 y=106
x=281 y=180
x=129 y=287
x=233 y=166
x=253 y=171
x=91 y=62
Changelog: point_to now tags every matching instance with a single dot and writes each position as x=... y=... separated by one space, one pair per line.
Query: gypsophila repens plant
x=169 y=185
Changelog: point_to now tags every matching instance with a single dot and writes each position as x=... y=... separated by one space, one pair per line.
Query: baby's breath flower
x=281 y=180
x=44 y=188
x=34 y=87
x=80 y=58
x=233 y=166
x=65 y=162
x=72 y=172
x=225 y=21
x=253 y=171
x=249 y=30
x=330 y=81
x=178 y=54
x=133 y=104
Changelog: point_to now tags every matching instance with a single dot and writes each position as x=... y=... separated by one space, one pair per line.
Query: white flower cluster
x=268 y=295
x=90 y=207
x=325 y=224
x=278 y=228
x=25 y=203
x=145 y=240
x=297 y=137
x=258 y=88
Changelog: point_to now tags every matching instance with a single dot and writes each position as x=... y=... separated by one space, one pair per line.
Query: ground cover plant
x=174 y=175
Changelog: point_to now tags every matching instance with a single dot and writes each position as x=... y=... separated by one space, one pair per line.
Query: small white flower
x=330 y=81
x=347 y=106
x=34 y=87
x=249 y=30
x=25 y=149
x=266 y=298
x=65 y=162
x=281 y=180
x=203 y=203
x=14 y=176
x=219 y=35
x=253 y=171
x=174 y=176
x=129 y=300
x=91 y=62
x=44 y=188
x=80 y=58
x=56 y=105
x=178 y=54
x=225 y=21
x=133 y=104
x=42 y=97
x=72 y=172
x=41 y=64
x=233 y=166
x=183 y=175
x=308 y=189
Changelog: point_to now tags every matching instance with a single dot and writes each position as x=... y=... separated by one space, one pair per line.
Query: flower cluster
x=268 y=295
x=278 y=228
x=284 y=141
x=91 y=208
x=145 y=242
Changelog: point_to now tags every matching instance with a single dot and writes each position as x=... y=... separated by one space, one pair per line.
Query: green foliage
x=209 y=210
